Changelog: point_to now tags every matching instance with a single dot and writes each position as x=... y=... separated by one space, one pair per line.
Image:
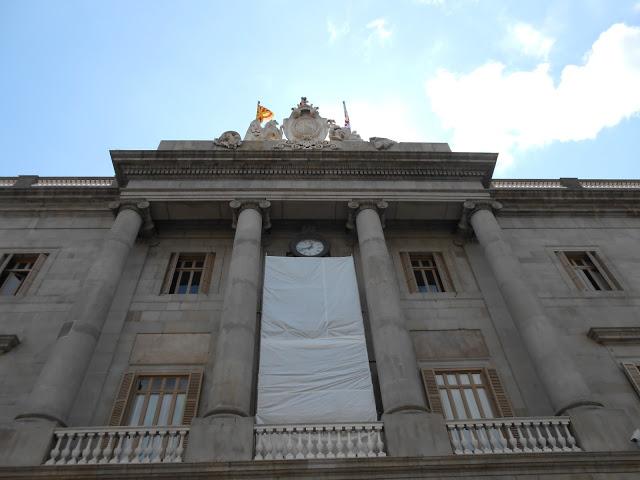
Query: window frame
x=205 y=278
x=578 y=280
x=27 y=282
x=632 y=371
x=497 y=395
x=441 y=271
x=125 y=396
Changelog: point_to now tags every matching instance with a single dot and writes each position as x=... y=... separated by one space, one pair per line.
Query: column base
x=416 y=434
x=223 y=438
x=25 y=443
x=603 y=429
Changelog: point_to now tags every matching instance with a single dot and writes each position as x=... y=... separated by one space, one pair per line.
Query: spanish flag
x=263 y=113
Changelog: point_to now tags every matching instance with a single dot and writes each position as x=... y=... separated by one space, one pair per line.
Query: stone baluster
x=106 y=453
x=290 y=446
x=172 y=445
x=339 y=443
x=180 y=447
x=379 y=442
x=86 y=453
x=57 y=385
x=56 y=450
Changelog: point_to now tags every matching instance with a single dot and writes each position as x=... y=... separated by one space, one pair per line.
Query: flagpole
x=258 y=111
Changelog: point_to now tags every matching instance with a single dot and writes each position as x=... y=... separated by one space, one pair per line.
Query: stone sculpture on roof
x=305 y=124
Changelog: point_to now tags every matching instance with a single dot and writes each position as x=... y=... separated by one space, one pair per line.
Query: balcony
x=132 y=445
x=117 y=445
x=512 y=435
x=339 y=440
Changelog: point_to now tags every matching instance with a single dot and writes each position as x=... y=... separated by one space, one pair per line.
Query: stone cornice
x=300 y=164
x=453 y=466
x=615 y=335
x=624 y=201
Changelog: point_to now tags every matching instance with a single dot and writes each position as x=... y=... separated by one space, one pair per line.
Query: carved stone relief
x=228 y=139
x=381 y=143
x=305 y=124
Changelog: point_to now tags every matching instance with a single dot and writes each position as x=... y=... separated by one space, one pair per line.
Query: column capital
x=142 y=208
x=356 y=206
x=471 y=207
x=261 y=206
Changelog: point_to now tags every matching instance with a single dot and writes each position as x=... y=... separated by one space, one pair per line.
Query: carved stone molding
x=470 y=207
x=142 y=208
x=615 y=335
x=356 y=206
x=309 y=169
x=305 y=145
x=262 y=206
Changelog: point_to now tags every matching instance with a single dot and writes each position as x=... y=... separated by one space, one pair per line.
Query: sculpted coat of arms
x=305 y=124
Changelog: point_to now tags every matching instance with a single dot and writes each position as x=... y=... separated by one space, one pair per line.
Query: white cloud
x=388 y=117
x=337 y=31
x=636 y=7
x=529 y=41
x=492 y=109
x=379 y=30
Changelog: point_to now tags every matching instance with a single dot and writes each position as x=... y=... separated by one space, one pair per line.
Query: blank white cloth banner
x=313 y=356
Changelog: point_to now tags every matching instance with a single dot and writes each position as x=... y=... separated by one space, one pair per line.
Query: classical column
x=556 y=369
x=400 y=384
x=57 y=385
x=230 y=390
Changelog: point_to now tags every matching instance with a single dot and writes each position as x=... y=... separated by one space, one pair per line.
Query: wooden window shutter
x=171 y=268
x=4 y=261
x=120 y=404
x=408 y=272
x=207 y=272
x=438 y=258
x=570 y=270
x=633 y=373
x=499 y=394
x=193 y=397
x=604 y=271
x=431 y=388
x=33 y=273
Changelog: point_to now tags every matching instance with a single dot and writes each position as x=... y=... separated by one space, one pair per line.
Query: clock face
x=309 y=247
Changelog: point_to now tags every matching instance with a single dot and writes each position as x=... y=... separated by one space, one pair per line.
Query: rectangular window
x=426 y=272
x=188 y=273
x=157 y=399
x=466 y=394
x=17 y=272
x=587 y=271
x=633 y=374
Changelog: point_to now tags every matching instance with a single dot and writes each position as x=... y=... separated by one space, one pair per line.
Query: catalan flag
x=263 y=113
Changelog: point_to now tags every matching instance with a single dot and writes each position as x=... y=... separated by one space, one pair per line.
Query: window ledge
x=615 y=335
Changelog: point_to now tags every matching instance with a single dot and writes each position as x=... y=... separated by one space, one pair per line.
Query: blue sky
x=553 y=86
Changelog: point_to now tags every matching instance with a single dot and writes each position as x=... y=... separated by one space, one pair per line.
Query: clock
x=309 y=245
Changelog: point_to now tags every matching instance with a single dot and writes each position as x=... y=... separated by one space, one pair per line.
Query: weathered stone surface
x=449 y=344
x=170 y=349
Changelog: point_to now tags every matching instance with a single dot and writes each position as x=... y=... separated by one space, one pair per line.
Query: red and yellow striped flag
x=263 y=113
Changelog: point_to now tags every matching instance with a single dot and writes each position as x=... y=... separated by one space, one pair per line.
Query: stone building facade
x=502 y=317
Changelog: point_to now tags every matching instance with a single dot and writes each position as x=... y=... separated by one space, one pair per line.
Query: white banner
x=313 y=356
